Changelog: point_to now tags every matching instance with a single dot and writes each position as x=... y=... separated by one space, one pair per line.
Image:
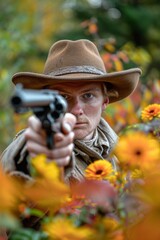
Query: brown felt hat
x=72 y=61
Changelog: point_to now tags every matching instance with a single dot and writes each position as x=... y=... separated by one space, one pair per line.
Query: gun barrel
x=29 y=98
x=46 y=104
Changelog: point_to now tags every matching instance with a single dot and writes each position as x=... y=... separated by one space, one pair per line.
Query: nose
x=77 y=108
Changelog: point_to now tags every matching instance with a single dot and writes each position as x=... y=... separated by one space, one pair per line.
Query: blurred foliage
x=133 y=24
x=26 y=31
x=126 y=33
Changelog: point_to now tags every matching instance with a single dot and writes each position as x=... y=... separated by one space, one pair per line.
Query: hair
x=109 y=91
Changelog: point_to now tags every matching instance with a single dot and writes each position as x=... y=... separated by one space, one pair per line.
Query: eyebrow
x=83 y=91
x=91 y=89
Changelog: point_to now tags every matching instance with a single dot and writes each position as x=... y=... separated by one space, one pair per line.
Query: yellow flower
x=63 y=229
x=46 y=169
x=136 y=174
x=137 y=150
x=150 y=112
x=112 y=178
x=108 y=227
x=99 y=170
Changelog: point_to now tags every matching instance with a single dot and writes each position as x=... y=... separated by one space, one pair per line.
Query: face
x=86 y=102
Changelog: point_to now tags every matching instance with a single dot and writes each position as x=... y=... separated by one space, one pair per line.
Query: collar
x=103 y=141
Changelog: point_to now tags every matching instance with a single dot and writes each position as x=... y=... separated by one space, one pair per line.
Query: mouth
x=80 y=124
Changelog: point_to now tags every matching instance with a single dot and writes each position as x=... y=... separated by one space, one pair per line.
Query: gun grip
x=50 y=141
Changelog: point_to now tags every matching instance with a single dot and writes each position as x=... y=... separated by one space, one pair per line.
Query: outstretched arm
x=63 y=141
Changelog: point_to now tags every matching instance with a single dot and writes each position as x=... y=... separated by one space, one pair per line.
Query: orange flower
x=92 y=28
x=9 y=193
x=61 y=229
x=47 y=194
x=150 y=112
x=112 y=229
x=100 y=169
x=146 y=229
x=148 y=226
x=137 y=150
x=150 y=191
x=110 y=224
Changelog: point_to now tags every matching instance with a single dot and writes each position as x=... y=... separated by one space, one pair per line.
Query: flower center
x=151 y=111
x=138 y=152
x=99 y=171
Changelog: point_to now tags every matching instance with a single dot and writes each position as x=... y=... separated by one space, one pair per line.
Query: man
x=76 y=70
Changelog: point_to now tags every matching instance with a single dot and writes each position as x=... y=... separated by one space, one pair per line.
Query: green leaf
x=28 y=234
x=9 y=222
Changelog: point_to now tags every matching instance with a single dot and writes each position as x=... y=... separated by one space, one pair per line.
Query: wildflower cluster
x=108 y=204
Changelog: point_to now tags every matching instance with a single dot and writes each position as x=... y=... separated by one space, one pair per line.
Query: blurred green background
x=126 y=33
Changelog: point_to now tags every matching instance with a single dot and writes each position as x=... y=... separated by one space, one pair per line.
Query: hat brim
x=124 y=82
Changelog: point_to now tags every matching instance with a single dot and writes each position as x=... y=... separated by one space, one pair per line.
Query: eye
x=88 y=96
x=65 y=96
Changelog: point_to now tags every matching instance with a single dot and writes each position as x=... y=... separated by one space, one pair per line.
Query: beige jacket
x=15 y=158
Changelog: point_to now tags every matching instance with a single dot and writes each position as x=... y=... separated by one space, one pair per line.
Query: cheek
x=94 y=112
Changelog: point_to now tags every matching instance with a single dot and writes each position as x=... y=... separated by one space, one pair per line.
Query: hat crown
x=67 y=53
x=72 y=61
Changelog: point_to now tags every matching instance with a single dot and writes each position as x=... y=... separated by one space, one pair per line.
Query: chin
x=78 y=135
x=82 y=136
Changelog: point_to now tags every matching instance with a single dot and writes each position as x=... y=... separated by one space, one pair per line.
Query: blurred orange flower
x=110 y=224
x=47 y=194
x=150 y=191
x=138 y=150
x=93 y=28
x=146 y=229
x=150 y=112
x=9 y=193
x=100 y=169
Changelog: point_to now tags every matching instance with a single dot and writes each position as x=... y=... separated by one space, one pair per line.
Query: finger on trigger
x=34 y=123
x=68 y=123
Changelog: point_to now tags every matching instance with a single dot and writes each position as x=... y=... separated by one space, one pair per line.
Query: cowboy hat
x=72 y=61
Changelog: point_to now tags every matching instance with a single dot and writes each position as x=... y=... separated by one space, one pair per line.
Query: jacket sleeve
x=14 y=158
